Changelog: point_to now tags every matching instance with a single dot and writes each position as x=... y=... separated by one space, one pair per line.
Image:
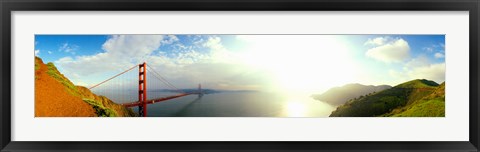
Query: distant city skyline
x=303 y=63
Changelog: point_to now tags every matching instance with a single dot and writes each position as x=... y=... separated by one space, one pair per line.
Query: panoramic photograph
x=204 y=75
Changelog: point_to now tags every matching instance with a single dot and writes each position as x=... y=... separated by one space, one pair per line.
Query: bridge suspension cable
x=113 y=77
x=159 y=77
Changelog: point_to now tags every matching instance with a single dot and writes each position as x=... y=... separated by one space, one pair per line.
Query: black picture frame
x=7 y=6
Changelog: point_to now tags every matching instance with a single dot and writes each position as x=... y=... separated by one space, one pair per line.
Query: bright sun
x=318 y=63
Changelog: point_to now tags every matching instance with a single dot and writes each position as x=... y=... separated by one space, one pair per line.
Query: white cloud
x=169 y=39
x=439 y=55
x=440 y=47
x=218 y=67
x=213 y=43
x=218 y=52
x=393 y=51
x=37 y=52
x=417 y=62
x=420 y=68
x=65 y=60
x=132 y=47
x=121 y=51
x=68 y=48
x=182 y=47
x=197 y=40
x=435 y=72
x=438 y=50
x=429 y=49
x=183 y=68
x=50 y=52
x=378 y=41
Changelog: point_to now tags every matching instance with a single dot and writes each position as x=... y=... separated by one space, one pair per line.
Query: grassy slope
x=101 y=106
x=413 y=98
x=101 y=102
x=432 y=105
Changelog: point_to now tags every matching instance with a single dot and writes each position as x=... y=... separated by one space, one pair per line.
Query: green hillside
x=419 y=83
x=416 y=98
x=432 y=105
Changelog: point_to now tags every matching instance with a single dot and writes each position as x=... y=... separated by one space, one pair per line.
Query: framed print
x=235 y=75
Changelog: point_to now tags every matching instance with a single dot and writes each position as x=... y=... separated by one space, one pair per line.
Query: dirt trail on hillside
x=52 y=99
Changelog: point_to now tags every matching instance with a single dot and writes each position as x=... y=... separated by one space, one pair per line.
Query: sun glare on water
x=295 y=109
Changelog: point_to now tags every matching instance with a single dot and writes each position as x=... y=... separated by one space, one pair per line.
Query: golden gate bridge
x=121 y=88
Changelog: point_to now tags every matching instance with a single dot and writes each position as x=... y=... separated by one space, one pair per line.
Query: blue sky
x=55 y=47
x=256 y=62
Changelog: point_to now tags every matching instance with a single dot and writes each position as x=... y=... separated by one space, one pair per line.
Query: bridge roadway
x=151 y=101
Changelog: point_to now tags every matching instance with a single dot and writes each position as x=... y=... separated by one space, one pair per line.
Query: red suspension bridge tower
x=142 y=89
x=120 y=88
